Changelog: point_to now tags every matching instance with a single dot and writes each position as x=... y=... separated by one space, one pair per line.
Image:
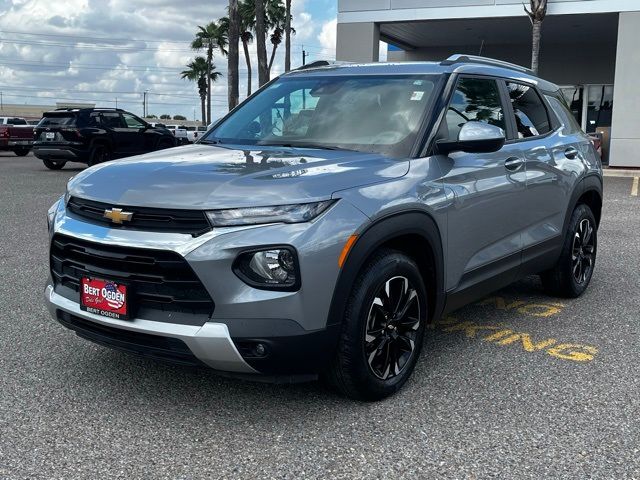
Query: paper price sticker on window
x=417 y=96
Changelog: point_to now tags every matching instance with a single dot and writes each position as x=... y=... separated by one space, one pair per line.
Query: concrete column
x=625 y=128
x=358 y=42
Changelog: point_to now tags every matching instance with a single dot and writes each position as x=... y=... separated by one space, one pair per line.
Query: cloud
x=97 y=50
x=328 y=34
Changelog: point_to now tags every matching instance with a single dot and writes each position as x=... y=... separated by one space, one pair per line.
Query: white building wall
x=625 y=132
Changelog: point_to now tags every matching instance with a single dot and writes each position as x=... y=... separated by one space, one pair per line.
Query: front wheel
x=571 y=275
x=99 y=154
x=383 y=328
x=164 y=143
x=51 y=165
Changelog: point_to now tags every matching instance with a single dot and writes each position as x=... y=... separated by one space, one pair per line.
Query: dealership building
x=591 y=48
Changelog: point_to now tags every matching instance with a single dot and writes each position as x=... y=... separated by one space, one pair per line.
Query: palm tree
x=233 y=35
x=210 y=37
x=537 y=14
x=197 y=72
x=287 y=36
x=261 y=45
x=247 y=11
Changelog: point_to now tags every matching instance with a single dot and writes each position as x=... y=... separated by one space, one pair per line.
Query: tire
x=54 y=165
x=571 y=275
x=371 y=336
x=99 y=154
x=21 y=152
x=164 y=143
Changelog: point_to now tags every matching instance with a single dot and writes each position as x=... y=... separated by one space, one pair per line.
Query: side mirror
x=475 y=137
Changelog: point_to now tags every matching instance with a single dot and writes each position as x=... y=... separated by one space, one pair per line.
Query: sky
x=99 y=50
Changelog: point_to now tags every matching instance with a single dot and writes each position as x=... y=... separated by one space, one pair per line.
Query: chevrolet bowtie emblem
x=116 y=215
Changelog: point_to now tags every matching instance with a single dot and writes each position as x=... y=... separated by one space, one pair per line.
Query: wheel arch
x=588 y=192
x=414 y=233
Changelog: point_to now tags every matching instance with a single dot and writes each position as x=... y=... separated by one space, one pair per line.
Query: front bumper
x=293 y=327
x=210 y=343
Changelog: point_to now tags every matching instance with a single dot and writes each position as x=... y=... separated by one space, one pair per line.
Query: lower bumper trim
x=210 y=344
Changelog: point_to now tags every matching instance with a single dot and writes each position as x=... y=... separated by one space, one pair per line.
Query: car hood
x=212 y=177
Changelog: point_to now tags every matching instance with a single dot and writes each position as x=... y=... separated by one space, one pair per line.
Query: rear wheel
x=54 y=165
x=99 y=154
x=572 y=274
x=383 y=328
x=21 y=152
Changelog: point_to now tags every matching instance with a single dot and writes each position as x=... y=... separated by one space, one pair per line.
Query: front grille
x=193 y=222
x=159 y=280
x=143 y=344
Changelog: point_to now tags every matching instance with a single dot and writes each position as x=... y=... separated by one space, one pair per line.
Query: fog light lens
x=275 y=268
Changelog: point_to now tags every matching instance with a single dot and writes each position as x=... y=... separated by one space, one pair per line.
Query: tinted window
x=58 y=120
x=112 y=120
x=475 y=100
x=560 y=108
x=17 y=121
x=531 y=115
x=369 y=113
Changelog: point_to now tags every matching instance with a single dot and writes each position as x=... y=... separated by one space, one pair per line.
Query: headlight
x=274 y=268
x=302 y=212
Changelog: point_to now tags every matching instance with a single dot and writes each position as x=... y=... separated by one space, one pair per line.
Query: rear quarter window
x=569 y=122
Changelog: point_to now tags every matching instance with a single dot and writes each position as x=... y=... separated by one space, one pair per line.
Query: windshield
x=379 y=114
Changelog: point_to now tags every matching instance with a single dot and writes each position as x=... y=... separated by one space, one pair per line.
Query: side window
x=530 y=113
x=132 y=122
x=112 y=120
x=476 y=100
x=569 y=122
x=94 y=120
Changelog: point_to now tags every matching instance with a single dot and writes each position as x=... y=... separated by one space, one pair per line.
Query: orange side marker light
x=346 y=249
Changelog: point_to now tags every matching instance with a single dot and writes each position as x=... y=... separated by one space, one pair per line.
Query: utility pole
x=144 y=104
x=304 y=56
x=1 y=104
x=116 y=103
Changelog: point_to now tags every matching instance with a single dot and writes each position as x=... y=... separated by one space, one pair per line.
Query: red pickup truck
x=16 y=135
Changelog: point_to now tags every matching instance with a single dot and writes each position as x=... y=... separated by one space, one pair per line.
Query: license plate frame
x=107 y=298
x=49 y=135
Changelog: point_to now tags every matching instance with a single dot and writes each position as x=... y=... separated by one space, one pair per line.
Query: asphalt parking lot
x=519 y=385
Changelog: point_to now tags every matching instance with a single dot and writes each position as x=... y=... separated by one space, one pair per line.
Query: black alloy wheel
x=392 y=325
x=582 y=253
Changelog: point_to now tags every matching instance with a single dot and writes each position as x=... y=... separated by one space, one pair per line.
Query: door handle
x=571 y=153
x=513 y=164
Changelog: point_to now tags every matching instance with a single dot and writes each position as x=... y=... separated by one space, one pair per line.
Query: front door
x=485 y=222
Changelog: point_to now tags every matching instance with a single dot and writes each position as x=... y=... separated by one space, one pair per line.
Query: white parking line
x=634 y=187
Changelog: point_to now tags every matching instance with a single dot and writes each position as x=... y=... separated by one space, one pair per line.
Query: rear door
x=553 y=166
x=484 y=225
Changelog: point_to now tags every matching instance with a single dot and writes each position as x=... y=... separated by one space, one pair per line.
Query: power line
x=94 y=39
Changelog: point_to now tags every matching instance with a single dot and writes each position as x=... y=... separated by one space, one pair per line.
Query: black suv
x=94 y=135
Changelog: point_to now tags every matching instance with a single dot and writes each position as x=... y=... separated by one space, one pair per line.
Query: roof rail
x=461 y=58
x=319 y=63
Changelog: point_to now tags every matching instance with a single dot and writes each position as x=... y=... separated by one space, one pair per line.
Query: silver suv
x=318 y=228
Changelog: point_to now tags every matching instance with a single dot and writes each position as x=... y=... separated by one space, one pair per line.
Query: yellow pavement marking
x=504 y=336
x=634 y=187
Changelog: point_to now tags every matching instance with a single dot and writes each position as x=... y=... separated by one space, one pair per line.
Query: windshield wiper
x=210 y=142
x=303 y=145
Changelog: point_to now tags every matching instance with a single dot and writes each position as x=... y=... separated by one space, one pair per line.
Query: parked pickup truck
x=16 y=135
